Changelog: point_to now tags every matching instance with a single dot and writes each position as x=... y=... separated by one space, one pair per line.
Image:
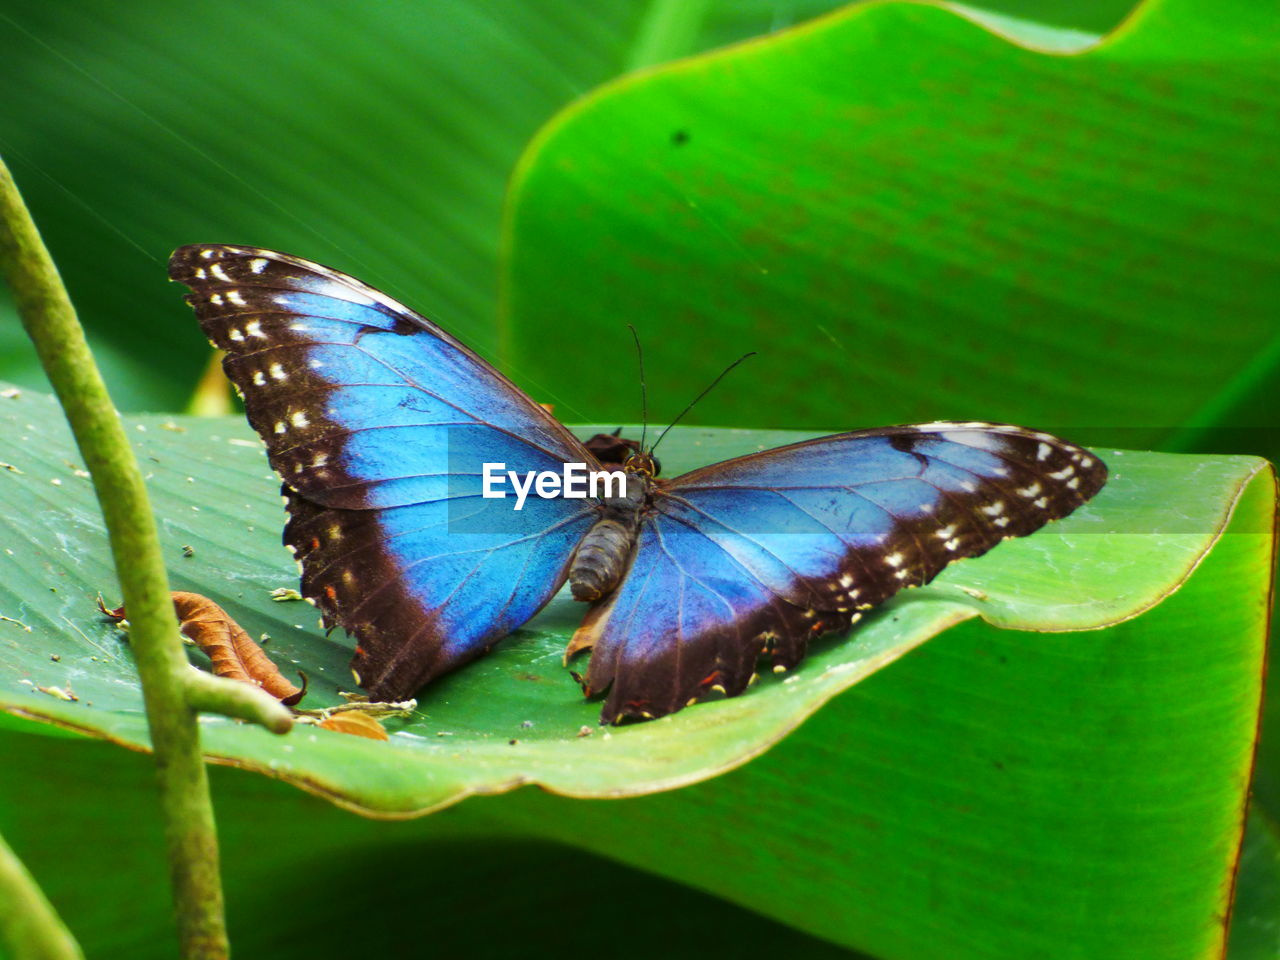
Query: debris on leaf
x=355 y=723
x=62 y=693
x=284 y=594
x=585 y=731
x=228 y=646
x=116 y=614
x=371 y=708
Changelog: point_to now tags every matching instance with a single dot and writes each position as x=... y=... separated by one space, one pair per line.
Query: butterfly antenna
x=724 y=373
x=644 y=391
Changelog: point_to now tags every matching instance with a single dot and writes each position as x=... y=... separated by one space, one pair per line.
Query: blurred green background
x=377 y=138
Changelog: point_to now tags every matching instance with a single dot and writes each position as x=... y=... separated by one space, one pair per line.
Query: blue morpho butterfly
x=380 y=423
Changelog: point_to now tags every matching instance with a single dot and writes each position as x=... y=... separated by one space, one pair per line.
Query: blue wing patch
x=379 y=421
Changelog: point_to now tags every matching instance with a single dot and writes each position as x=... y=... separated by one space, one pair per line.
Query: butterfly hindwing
x=378 y=421
x=758 y=555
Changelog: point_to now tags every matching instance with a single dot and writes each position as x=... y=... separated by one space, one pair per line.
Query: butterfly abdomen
x=605 y=552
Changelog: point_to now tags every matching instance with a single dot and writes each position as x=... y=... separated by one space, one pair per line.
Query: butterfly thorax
x=605 y=552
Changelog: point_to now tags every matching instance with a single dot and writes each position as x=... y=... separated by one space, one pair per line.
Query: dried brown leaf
x=355 y=723
x=233 y=652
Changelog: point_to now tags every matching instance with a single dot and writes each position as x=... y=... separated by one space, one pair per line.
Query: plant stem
x=29 y=927
x=51 y=322
x=235 y=698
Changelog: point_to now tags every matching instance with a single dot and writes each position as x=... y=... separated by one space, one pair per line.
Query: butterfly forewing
x=379 y=421
x=758 y=555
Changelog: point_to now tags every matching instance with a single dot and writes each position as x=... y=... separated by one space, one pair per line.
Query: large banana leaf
x=911 y=217
x=914 y=218
x=378 y=138
x=986 y=755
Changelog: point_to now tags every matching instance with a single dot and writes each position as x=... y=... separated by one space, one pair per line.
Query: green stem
x=29 y=927
x=235 y=698
x=51 y=322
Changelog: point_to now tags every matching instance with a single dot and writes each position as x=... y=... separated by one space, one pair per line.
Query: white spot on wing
x=978 y=439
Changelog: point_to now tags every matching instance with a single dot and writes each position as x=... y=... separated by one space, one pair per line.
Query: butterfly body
x=380 y=422
x=605 y=552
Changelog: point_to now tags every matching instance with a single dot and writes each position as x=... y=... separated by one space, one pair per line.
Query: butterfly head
x=645 y=464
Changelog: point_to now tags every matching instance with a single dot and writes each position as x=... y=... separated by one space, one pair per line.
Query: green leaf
x=1255 y=930
x=378 y=138
x=305 y=879
x=913 y=218
x=980 y=756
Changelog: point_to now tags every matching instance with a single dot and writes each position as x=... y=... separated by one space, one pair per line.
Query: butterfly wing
x=379 y=421
x=755 y=556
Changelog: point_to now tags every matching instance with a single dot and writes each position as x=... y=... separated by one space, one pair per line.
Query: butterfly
x=382 y=427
